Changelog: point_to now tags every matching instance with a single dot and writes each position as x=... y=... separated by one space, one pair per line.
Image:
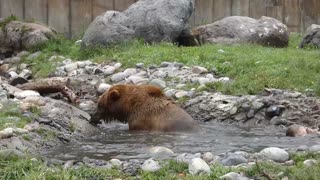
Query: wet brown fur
x=143 y=107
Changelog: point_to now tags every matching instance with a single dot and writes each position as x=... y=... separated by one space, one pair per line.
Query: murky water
x=115 y=141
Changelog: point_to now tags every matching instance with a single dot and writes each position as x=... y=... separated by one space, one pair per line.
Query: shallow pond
x=115 y=141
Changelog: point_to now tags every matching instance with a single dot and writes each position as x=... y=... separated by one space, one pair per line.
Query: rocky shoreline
x=60 y=122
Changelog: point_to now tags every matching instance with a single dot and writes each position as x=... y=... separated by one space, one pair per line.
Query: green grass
x=253 y=67
x=19 y=168
x=10 y=112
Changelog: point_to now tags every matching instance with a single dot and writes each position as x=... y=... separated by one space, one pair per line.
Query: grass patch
x=10 y=115
x=47 y=134
x=253 y=67
x=17 y=168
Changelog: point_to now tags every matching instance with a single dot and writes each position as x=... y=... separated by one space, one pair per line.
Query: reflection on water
x=116 y=141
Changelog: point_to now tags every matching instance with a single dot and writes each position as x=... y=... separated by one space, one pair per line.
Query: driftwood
x=51 y=85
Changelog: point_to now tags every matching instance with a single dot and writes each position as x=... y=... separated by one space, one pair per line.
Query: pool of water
x=115 y=141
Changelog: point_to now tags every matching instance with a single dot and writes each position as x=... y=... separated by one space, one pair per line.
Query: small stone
x=89 y=69
x=26 y=93
x=68 y=164
x=181 y=94
x=199 y=70
x=203 y=81
x=275 y=154
x=4 y=67
x=118 y=77
x=160 y=151
x=70 y=67
x=98 y=71
x=185 y=158
x=180 y=86
x=137 y=80
x=23 y=53
x=315 y=148
x=56 y=58
x=81 y=64
x=210 y=76
x=103 y=87
x=23 y=66
x=150 y=166
x=224 y=79
x=158 y=82
x=67 y=61
x=233 y=160
x=233 y=176
x=165 y=64
x=139 y=65
x=274 y=111
x=72 y=73
x=170 y=92
x=302 y=148
x=34 y=55
x=198 y=166
x=310 y=162
x=130 y=71
x=19 y=131
x=208 y=157
x=220 y=51
x=26 y=73
x=117 y=65
x=115 y=162
x=13 y=74
x=289 y=163
x=6 y=133
x=110 y=70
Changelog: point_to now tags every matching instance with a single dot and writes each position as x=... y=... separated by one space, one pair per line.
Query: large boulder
x=151 y=20
x=239 y=29
x=16 y=35
x=312 y=36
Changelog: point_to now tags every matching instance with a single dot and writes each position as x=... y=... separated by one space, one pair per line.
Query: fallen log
x=51 y=85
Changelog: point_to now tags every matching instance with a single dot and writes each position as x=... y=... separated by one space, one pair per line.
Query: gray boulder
x=151 y=20
x=239 y=29
x=312 y=36
x=16 y=35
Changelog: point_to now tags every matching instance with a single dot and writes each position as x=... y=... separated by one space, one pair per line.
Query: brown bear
x=143 y=107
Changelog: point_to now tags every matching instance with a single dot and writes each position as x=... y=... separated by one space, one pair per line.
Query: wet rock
x=118 y=77
x=275 y=154
x=103 y=87
x=109 y=70
x=233 y=176
x=185 y=158
x=208 y=157
x=198 y=166
x=310 y=162
x=160 y=151
x=274 y=111
x=158 y=82
x=199 y=70
x=139 y=65
x=89 y=69
x=6 y=133
x=115 y=162
x=150 y=165
x=315 y=148
x=289 y=163
x=233 y=160
x=221 y=51
x=26 y=93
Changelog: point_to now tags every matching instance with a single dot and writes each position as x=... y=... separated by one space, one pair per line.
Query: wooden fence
x=72 y=17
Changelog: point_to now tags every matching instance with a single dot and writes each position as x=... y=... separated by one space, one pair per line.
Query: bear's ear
x=114 y=95
x=154 y=91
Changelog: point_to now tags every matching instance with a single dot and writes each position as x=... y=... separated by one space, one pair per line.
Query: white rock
x=103 y=87
x=185 y=158
x=158 y=82
x=36 y=100
x=26 y=93
x=73 y=73
x=208 y=156
x=203 y=81
x=6 y=133
x=150 y=165
x=67 y=61
x=199 y=70
x=159 y=150
x=181 y=94
x=170 y=92
x=309 y=162
x=210 y=76
x=130 y=71
x=117 y=65
x=118 y=77
x=89 y=69
x=81 y=64
x=78 y=42
x=220 y=51
x=224 y=79
x=115 y=162
x=70 y=67
x=109 y=70
x=275 y=154
x=137 y=80
x=198 y=166
x=13 y=74
x=19 y=131
x=179 y=86
x=233 y=176
x=26 y=73
x=315 y=148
